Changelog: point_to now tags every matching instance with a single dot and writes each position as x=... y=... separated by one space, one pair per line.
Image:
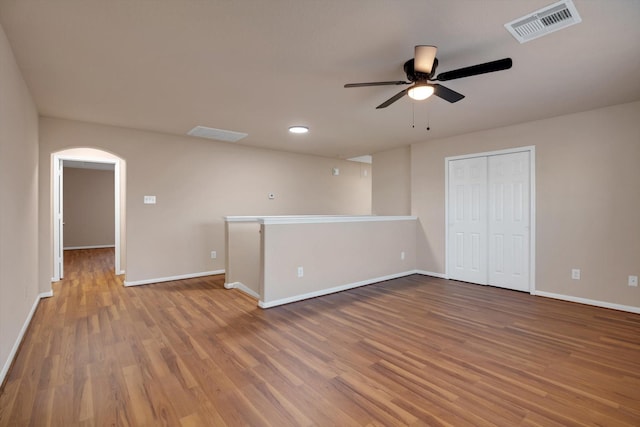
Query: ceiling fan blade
x=424 y=57
x=397 y=82
x=393 y=99
x=446 y=93
x=474 y=70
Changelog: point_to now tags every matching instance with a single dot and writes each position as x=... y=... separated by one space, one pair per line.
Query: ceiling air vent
x=544 y=21
x=219 y=134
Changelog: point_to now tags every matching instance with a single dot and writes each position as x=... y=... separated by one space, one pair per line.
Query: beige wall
x=391 y=193
x=197 y=182
x=89 y=208
x=587 y=204
x=243 y=255
x=18 y=204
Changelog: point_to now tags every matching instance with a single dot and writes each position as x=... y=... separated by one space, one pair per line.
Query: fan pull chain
x=413 y=115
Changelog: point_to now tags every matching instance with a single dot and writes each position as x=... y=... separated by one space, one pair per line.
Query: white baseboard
x=432 y=274
x=596 y=303
x=23 y=330
x=71 y=248
x=242 y=287
x=269 y=304
x=172 y=278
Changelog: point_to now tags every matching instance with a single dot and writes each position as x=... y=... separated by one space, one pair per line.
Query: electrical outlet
x=300 y=271
x=633 y=281
x=575 y=274
x=402 y=255
x=214 y=255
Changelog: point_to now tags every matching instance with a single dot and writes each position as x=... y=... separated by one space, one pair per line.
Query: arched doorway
x=92 y=159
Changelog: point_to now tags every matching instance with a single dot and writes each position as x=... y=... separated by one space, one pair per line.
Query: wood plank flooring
x=413 y=351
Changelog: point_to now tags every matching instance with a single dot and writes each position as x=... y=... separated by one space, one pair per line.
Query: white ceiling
x=259 y=66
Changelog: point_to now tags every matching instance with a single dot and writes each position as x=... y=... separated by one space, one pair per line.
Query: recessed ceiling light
x=298 y=129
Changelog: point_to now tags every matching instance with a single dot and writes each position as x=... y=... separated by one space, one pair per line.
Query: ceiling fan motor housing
x=417 y=76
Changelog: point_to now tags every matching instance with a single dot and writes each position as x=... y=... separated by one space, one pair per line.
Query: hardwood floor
x=411 y=351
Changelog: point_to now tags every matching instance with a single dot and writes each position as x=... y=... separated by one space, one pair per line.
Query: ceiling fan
x=420 y=71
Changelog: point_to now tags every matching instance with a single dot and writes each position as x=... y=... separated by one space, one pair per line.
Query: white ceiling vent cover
x=544 y=21
x=219 y=134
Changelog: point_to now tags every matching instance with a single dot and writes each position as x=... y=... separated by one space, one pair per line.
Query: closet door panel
x=509 y=220
x=467 y=220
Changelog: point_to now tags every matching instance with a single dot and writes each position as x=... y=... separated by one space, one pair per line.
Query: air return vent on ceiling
x=219 y=134
x=544 y=21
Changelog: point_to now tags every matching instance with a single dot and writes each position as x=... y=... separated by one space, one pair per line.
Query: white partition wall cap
x=333 y=219
x=256 y=218
x=241 y=218
x=310 y=219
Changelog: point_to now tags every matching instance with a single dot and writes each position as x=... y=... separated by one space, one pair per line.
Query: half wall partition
x=282 y=259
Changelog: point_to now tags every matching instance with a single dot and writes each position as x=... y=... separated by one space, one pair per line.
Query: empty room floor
x=410 y=351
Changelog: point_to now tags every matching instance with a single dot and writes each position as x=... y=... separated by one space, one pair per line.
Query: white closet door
x=468 y=220
x=509 y=220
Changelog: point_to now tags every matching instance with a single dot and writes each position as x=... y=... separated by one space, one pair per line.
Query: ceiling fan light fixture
x=420 y=92
x=298 y=129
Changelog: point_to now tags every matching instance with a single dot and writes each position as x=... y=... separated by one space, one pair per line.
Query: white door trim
x=58 y=250
x=56 y=218
x=532 y=205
